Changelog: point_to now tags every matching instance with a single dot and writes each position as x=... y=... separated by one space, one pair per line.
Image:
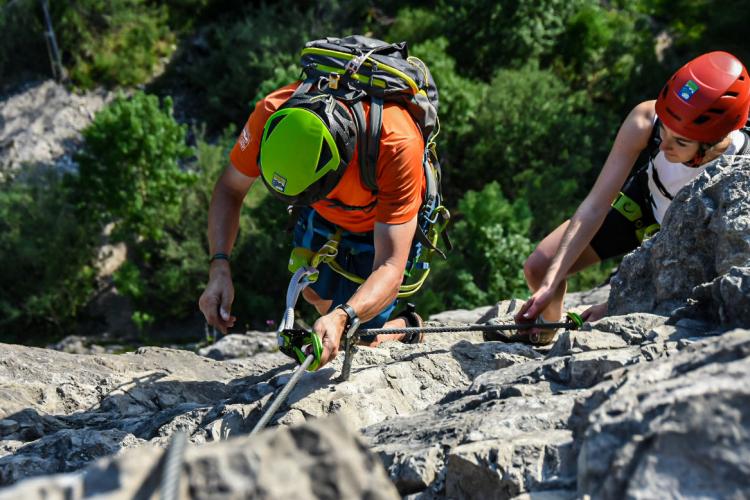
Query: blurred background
x=113 y=240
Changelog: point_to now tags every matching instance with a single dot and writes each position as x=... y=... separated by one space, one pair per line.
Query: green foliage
x=415 y=25
x=174 y=268
x=542 y=141
x=165 y=276
x=281 y=76
x=22 y=49
x=610 y=53
x=224 y=73
x=228 y=61
x=503 y=34
x=130 y=166
x=47 y=276
x=531 y=94
x=593 y=276
x=693 y=27
x=112 y=42
x=459 y=98
x=259 y=261
x=488 y=263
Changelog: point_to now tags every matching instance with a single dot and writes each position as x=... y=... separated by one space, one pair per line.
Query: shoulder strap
x=654 y=140
x=368 y=141
x=372 y=146
x=660 y=186
x=653 y=149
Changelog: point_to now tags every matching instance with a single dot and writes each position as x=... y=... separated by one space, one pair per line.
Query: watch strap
x=351 y=314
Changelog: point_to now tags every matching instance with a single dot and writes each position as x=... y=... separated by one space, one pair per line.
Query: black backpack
x=356 y=68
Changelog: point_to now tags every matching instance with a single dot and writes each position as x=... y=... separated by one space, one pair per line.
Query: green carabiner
x=294 y=343
x=575 y=319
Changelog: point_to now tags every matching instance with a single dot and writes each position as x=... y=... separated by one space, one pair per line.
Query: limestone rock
x=240 y=345
x=677 y=425
x=43 y=124
x=322 y=460
x=705 y=238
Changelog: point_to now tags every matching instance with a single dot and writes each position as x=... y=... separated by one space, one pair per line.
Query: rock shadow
x=145 y=408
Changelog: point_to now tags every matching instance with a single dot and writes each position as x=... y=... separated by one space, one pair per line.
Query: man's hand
x=216 y=301
x=330 y=328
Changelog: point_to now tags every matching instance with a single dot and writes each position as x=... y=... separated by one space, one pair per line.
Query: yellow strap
x=328 y=252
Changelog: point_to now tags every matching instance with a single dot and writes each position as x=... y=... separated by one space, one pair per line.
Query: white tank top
x=674 y=176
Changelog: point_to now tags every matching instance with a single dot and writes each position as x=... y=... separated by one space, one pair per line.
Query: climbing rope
x=170 y=479
x=293 y=345
x=573 y=323
x=282 y=396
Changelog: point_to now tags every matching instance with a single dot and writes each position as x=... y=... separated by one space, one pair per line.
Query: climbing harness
x=418 y=267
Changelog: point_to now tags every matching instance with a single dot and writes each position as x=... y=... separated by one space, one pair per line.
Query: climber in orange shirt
x=303 y=149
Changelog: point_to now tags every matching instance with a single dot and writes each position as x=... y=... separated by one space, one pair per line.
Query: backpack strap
x=368 y=140
x=654 y=141
x=368 y=167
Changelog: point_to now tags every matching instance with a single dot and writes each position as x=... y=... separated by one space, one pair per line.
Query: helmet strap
x=703 y=148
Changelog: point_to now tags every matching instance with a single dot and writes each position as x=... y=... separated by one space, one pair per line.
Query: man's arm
x=223 y=223
x=392 y=246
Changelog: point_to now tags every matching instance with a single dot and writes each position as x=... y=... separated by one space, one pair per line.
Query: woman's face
x=676 y=148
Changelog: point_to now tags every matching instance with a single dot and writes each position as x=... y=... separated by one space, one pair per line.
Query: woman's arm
x=632 y=138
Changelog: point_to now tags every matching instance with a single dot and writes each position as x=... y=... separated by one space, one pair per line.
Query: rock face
x=609 y=410
x=323 y=459
x=42 y=124
x=637 y=405
x=705 y=243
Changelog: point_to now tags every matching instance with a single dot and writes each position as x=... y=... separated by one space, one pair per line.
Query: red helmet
x=707 y=98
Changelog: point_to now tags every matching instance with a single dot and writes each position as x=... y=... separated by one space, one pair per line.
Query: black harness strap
x=372 y=145
x=659 y=185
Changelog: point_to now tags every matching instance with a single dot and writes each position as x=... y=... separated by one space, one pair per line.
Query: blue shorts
x=356 y=255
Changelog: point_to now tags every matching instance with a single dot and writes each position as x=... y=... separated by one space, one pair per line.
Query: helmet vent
x=730 y=94
x=273 y=124
x=325 y=156
x=674 y=115
x=701 y=119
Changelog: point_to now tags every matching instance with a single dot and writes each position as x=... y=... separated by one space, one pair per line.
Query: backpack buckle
x=353 y=65
x=333 y=81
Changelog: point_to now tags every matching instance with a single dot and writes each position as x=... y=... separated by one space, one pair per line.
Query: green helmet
x=306 y=147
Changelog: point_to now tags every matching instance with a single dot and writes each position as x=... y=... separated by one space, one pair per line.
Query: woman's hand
x=594 y=313
x=535 y=305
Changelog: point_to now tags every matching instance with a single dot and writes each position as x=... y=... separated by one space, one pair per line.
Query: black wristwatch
x=351 y=315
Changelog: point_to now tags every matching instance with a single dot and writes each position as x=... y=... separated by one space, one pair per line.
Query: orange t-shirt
x=399 y=173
